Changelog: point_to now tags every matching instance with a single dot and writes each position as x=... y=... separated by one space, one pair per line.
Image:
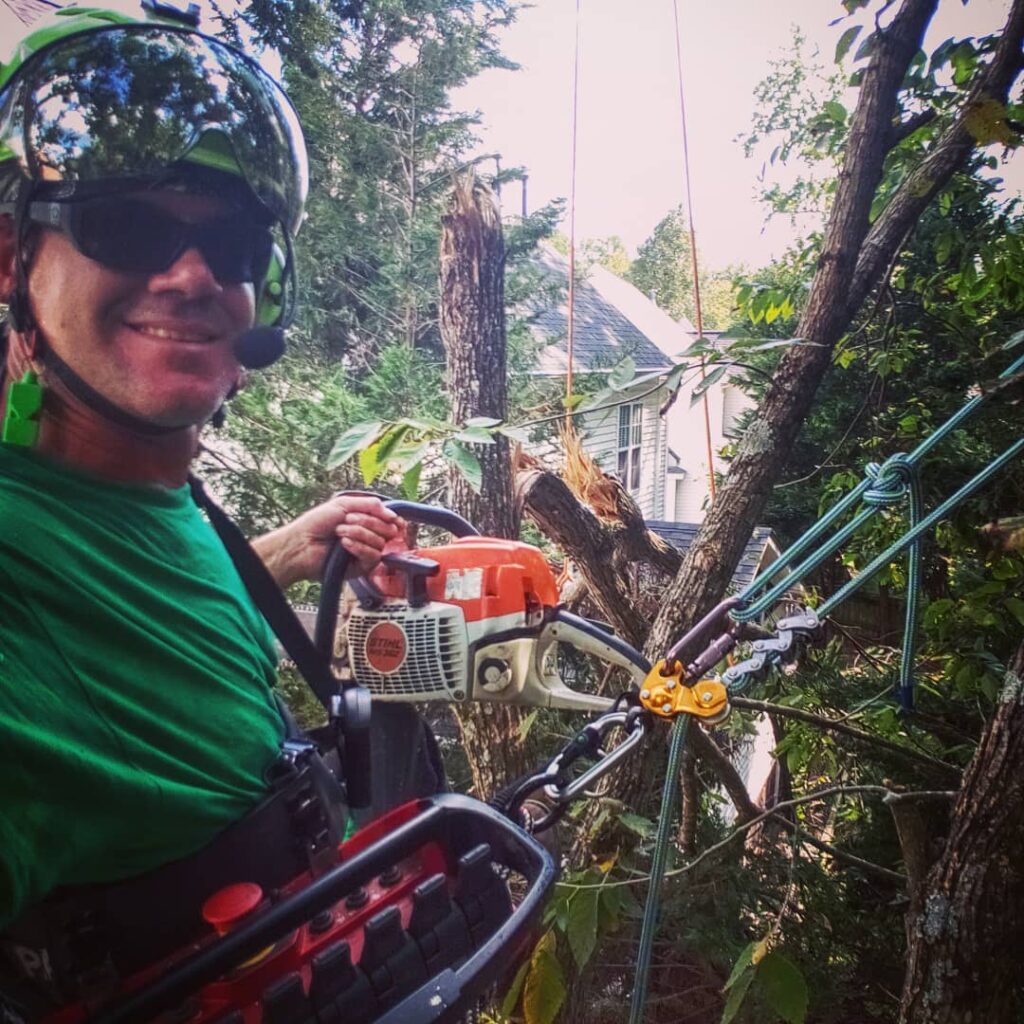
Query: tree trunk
x=968 y=920
x=472 y=285
x=473 y=332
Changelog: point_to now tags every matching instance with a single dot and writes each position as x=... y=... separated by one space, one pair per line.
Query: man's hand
x=297 y=551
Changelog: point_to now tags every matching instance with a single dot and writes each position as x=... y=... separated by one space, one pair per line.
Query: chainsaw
x=475 y=619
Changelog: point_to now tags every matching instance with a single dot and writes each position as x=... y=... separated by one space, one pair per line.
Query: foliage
x=663 y=269
x=609 y=253
x=372 y=85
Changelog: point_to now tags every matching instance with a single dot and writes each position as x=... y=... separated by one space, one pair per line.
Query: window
x=630 y=437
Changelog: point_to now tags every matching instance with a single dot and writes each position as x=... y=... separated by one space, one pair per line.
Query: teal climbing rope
x=893 y=482
x=659 y=861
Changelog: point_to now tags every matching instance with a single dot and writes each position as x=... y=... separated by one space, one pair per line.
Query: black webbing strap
x=267 y=597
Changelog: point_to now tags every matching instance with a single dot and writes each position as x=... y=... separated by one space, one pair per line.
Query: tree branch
x=712 y=754
x=547 y=500
x=947 y=155
x=830 y=725
x=905 y=129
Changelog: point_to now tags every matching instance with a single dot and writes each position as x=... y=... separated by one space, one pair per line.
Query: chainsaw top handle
x=337 y=563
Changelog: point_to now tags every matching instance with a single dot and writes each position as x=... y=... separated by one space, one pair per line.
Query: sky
x=629 y=153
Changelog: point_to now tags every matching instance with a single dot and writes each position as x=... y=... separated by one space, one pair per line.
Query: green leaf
x=483 y=421
x=475 y=435
x=508 y=1004
x=784 y=987
x=368 y=464
x=622 y=374
x=353 y=440
x=866 y=48
x=465 y=462
x=411 y=481
x=698 y=347
x=675 y=377
x=389 y=442
x=736 y=995
x=836 y=111
x=601 y=398
x=743 y=961
x=527 y=724
x=520 y=434
x=846 y=41
x=1014 y=340
x=406 y=458
x=424 y=425
x=635 y=823
x=582 y=929
x=1016 y=607
x=709 y=381
x=777 y=343
x=544 y=989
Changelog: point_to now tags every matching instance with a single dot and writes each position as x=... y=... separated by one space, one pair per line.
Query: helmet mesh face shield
x=133 y=101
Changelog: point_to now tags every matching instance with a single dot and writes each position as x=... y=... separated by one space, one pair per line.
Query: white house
x=630 y=438
x=662 y=460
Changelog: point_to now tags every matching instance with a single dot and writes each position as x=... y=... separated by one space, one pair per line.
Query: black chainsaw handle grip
x=432 y=515
x=336 y=566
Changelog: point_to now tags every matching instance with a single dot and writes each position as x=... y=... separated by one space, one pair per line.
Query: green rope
x=659 y=858
x=883 y=486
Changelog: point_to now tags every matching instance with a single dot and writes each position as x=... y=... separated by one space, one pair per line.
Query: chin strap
x=90 y=397
x=19 y=311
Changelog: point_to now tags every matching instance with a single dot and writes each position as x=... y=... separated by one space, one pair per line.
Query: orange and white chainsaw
x=476 y=619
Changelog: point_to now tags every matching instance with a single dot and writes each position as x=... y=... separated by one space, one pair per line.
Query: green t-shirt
x=136 y=714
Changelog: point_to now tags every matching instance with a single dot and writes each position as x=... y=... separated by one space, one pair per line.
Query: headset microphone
x=258 y=347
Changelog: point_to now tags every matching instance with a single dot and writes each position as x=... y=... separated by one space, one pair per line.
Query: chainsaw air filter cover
x=483 y=589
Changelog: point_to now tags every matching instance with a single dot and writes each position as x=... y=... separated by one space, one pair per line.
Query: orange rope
x=572 y=224
x=693 y=249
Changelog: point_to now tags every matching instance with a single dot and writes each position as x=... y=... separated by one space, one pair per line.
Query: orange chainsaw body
x=487 y=577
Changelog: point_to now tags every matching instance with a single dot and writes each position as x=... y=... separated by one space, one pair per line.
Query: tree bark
x=969 y=919
x=472 y=314
x=473 y=332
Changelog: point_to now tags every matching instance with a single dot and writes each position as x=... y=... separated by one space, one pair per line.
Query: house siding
x=600 y=434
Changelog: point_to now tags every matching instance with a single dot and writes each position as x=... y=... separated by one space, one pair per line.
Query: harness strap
x=267 y=597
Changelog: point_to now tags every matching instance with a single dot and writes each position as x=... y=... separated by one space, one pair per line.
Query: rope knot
x=890 y=480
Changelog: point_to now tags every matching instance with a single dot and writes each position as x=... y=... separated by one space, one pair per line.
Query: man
x=146 y=173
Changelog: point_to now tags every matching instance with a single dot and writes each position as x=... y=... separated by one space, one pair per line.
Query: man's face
x=158 y=346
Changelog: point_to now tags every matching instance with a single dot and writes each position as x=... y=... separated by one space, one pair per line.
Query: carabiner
x=633 y=721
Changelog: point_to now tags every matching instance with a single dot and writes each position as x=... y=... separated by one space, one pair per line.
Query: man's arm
x=297 y=550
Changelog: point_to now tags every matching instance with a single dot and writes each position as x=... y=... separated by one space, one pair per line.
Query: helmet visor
x=132 y=101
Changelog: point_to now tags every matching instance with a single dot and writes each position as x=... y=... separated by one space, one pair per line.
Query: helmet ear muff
x=270 y=292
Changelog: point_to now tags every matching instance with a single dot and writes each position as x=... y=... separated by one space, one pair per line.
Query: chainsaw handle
x=431 y=515
x=336 y=565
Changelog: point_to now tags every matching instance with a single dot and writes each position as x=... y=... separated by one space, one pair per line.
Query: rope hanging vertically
x=572 y=226
x=693 y=247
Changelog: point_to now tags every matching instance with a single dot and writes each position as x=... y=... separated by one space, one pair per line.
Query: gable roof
x=681 y=535
x=603 y=334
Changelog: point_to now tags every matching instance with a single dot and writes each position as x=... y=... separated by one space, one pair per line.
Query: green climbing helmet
x=97 y=99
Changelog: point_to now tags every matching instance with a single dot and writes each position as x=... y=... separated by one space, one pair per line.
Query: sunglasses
x=136 y=237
